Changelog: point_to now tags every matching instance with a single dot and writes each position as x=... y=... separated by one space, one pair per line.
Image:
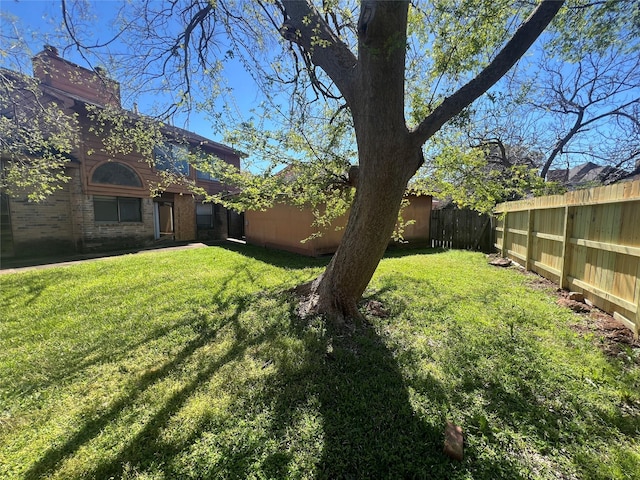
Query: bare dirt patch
x=613 y=337
x=610 y=335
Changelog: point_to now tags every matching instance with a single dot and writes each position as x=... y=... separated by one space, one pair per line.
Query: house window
x=209 y=161
x=172 y=158
x=205 y=176
x=117 y=209
x=114 y=173
x=204 y=215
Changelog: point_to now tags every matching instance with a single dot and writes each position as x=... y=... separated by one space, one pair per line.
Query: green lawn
x=192 y=364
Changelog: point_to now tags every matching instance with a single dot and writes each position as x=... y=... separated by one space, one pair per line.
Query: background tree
x=575 y=101
x=599 y=94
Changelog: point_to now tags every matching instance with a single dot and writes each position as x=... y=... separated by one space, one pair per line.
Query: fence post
x=505 y=228
x=637 y=301
x=566 y=240
x=530 y=217
x=492 y=234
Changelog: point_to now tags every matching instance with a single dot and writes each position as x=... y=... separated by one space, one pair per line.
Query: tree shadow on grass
x=361 y=406
x=398 y=251
x=51 y=460
x=96 y=351
x=280 y=258
x=28 y=291
x=91 y=429
x=277 y=258
x=371 y=429
x=368 y=428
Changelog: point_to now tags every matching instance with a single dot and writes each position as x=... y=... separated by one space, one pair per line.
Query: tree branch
x=305 y=27
x=523 y=38
x=562 y=143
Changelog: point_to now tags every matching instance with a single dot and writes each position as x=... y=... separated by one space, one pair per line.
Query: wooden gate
x=461 y=229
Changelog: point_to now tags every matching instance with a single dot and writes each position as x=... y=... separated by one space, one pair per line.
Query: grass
x=192 y=364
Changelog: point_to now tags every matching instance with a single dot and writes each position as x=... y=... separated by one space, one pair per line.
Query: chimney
x=51 y=51
x=92 y=86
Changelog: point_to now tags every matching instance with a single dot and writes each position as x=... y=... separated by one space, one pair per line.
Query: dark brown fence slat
x=461 y=229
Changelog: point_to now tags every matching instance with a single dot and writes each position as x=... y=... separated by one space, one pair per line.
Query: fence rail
x=587 y=241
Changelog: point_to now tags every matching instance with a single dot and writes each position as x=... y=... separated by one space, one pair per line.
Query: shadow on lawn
x=91 y=429
x=31 y=291
x=94 y=352
x=368 y=426
x=280 y=258
x=145 y=447
x=371 y=430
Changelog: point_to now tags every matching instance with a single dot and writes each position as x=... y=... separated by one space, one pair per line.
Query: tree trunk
x=372 y=220
x=388 y=158
x=389 y=154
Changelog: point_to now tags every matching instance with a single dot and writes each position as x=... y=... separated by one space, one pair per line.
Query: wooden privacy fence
x=461 y=229
x=586 y=241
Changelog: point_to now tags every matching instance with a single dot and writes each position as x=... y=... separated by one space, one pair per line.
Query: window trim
x=117 y=185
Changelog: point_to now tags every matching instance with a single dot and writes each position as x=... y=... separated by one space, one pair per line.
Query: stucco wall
x=419 y=209
x=284 y=226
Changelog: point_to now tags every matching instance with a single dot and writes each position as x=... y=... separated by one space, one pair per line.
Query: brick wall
x=46 y=227
x=184 y=215
x=108 y=236
x=65 y=223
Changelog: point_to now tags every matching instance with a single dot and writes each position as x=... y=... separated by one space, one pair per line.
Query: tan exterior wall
x=285 y=226
x=148 y=176
x=419 y=209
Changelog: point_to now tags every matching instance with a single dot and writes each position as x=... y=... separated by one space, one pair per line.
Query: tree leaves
x=37 y=138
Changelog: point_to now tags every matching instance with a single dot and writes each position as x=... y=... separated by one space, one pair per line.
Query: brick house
x=107 y=202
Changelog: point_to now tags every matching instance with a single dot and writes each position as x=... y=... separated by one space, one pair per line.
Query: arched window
x=114 y=173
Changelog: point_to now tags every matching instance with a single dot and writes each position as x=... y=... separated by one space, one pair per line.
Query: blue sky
x=40 y=22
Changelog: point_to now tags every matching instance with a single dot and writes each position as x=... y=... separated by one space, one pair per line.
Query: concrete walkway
x=25 y=264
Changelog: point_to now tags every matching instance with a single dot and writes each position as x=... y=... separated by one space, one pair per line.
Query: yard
x=192 y=364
